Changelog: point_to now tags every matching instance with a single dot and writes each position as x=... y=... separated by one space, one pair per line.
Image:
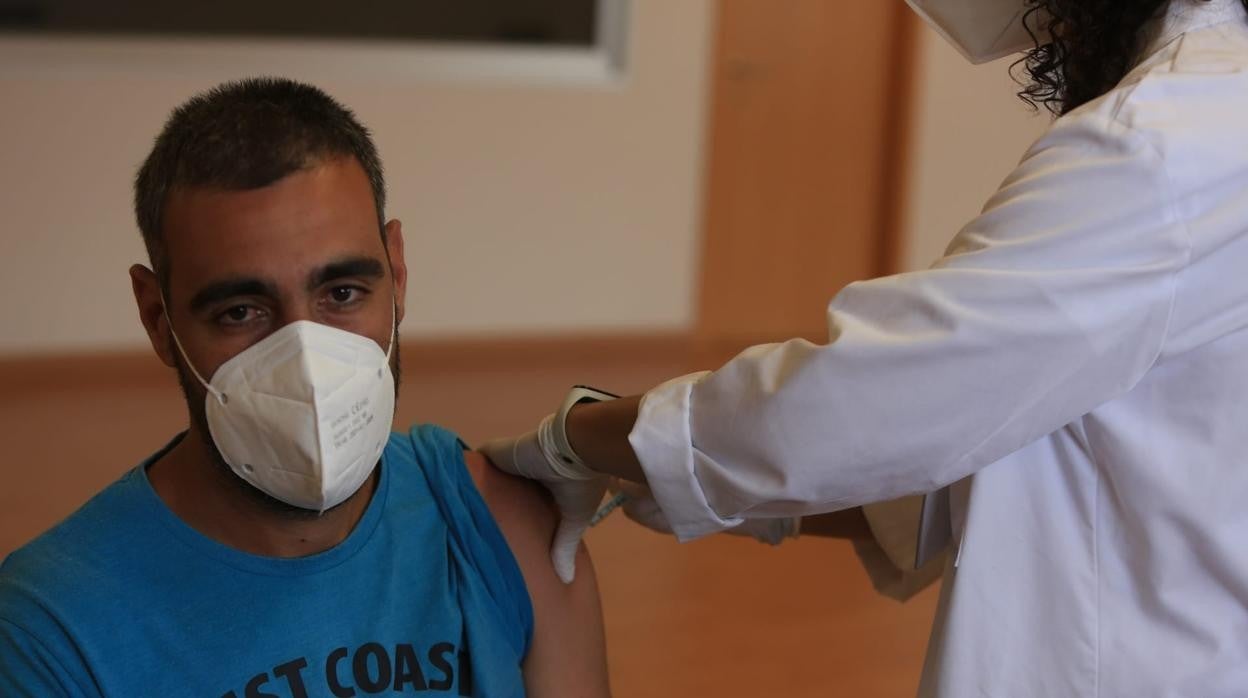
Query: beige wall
x=531 y=205
x=970 y=131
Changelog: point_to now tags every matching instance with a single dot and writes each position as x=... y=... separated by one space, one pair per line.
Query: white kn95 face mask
x=982 y=30
x=304 y=414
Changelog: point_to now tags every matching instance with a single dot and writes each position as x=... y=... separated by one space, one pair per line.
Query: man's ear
x=398 y=265
x=152 y=311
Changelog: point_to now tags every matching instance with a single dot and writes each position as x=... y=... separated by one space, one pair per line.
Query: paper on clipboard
x=935 y=527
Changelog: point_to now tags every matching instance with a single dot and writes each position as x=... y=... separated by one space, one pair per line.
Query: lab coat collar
x=1183 y=16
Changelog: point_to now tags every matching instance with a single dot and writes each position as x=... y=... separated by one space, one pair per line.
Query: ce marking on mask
x=350 y=424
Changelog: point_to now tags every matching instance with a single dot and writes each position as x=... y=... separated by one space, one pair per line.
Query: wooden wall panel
x=806 y=155
x=719 y=617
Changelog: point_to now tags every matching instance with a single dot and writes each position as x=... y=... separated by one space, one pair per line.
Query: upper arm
x=568 y=652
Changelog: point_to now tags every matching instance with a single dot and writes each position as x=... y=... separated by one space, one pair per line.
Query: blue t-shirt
x=124 y=599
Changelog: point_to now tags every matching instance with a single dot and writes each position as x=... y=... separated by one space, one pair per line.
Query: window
x=576 y=41
x=532 y=22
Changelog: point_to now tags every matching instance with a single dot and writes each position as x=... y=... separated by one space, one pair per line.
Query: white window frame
x=604 y=64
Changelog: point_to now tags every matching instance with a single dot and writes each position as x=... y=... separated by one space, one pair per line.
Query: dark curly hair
x=1094 y=44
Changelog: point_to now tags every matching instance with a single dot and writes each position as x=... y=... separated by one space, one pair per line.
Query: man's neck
x=198 y=491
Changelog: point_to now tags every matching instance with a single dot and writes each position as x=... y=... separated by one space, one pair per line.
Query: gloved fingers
x=519 y=455
x=642 y=508
x=577 y=501
x=563 y=550
x=501 y=454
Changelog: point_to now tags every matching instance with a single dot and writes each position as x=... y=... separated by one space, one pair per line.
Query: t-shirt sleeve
x=476 y=537
x=29 y=669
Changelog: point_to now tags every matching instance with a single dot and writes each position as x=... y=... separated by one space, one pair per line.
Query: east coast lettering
x=369 y=669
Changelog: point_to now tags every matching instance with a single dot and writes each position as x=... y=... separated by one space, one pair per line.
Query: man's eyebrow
x=365 y=267
x=230 y=288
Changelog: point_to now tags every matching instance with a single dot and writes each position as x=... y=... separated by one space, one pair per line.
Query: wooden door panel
x=803 y=153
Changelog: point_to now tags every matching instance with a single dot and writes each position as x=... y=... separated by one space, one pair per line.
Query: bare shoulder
x=568 y=654
x=525 y=514
x=520 y=506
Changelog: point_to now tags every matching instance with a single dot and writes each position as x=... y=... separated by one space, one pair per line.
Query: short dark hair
x=246 y=135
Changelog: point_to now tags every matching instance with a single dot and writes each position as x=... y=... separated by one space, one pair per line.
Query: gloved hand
x=576 y=489
x=642 y=507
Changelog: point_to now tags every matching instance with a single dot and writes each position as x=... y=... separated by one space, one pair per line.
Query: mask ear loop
x=394 y=328
x=220 y=396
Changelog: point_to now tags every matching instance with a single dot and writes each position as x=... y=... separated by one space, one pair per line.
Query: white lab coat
x=1077 y=363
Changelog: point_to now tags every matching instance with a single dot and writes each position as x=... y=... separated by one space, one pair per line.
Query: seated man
x=287 y=544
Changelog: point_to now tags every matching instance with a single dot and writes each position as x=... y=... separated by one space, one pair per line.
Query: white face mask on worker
x=981 y=30
x=304 y=414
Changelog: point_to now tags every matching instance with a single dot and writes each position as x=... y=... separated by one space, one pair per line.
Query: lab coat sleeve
x=1054 y=300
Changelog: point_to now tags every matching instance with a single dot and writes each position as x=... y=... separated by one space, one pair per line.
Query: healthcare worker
x=1075 y=366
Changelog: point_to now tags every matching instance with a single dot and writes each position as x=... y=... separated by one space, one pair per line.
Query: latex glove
x=642 y=507
x=577 y=490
